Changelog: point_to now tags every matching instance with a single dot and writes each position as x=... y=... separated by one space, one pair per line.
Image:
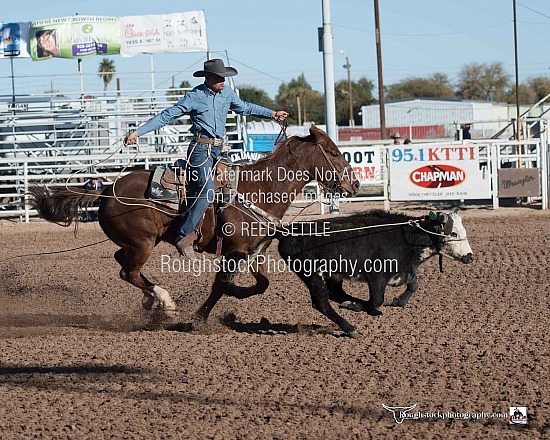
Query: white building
x=488 y=117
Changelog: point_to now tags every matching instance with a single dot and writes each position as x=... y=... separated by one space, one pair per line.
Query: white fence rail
x=55 y=140
x=50 y=138
x=108 y=167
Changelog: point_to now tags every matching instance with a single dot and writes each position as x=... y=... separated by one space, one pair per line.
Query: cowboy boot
x=185 y=246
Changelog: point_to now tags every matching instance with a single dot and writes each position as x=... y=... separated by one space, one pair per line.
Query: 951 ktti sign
x=431 y=172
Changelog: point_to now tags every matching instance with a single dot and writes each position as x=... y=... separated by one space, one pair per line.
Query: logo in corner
x=399 y=412
x=518 y=415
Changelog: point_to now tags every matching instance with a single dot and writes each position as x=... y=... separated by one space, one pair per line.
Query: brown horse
x=137 y=225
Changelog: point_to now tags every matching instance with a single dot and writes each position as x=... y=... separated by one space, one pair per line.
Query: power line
x=533 y=10
x=259 y=71
x=427 y=35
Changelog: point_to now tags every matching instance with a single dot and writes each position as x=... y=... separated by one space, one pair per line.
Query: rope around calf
x=282 y=136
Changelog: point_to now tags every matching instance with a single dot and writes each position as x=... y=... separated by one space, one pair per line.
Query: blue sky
x=272 y=42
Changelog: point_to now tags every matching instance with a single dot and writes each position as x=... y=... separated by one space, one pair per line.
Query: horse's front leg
x=258 y=271
x=224 y=285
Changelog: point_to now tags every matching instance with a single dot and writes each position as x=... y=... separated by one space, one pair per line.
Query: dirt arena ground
x=80 y=359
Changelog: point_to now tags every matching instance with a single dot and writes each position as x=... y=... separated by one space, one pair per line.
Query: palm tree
x=107 y=71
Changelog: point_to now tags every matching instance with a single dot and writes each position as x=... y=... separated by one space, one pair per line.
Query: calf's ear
x=441 y=218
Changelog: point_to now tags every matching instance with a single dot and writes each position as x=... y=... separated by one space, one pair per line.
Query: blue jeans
x=200 y=158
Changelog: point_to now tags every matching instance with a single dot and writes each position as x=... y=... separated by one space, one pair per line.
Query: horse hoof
x=356 y=335
x=147 y=302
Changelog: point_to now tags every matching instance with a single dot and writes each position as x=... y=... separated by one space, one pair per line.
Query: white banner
x=178 y=32
x=366 y=163
x=432 y=172
x=14 y=40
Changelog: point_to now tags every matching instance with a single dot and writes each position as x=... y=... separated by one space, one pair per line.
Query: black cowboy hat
x=216 y=67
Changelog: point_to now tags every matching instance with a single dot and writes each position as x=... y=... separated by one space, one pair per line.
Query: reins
x=282 y=136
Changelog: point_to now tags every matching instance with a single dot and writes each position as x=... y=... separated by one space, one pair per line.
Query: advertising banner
x=432 y=172
x=366 y=163
x=14 y=40
x=78 y=36
x=519 y=182
x=178 y=32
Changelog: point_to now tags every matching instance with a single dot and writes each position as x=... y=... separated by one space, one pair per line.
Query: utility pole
x=299 y=110
x=326 y=46
x=518 y=117
x=327 y=49
x=12 y=85
x=81 y=75
x=351 y=118
x=380 y=79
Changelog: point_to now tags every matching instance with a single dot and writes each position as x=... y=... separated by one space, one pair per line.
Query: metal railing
x=52 y=139
x=59 y=140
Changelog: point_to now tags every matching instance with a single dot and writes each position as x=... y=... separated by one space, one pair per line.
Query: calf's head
x=455 y=243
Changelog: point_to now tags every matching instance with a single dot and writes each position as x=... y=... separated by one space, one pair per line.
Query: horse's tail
x=61 y=205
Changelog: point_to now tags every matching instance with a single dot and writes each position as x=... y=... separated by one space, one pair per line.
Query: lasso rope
x=118 y=176
x=281 y=137
x=54 y=252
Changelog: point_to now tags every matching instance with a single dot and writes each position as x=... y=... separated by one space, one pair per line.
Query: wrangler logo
x=437 y=176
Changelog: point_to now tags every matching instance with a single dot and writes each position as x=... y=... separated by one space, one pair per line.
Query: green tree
x=106 y=71
x=436 y=86
x=301 y=101
x=481 y=81
x=256 y=96
x=175 y=93
x=540 y=86
x=526 y=95
x=361 y=92
x=315 y=108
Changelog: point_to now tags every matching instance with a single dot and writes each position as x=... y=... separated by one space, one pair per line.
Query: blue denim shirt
x=208 y=111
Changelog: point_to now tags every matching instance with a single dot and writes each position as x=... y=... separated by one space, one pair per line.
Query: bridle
x=335 y=184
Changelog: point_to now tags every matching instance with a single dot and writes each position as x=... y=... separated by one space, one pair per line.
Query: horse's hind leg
x=131 y=260
x=148 y=299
